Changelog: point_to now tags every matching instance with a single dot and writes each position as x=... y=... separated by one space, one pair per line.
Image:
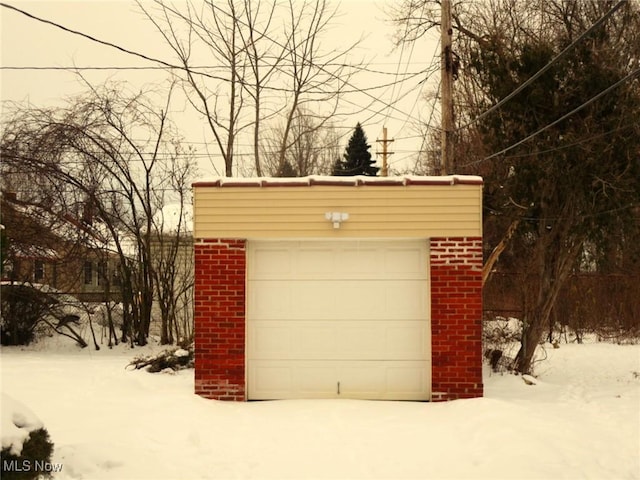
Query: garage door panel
x=270 y=300
x=401 y=380
x=360 y=262
x=406 y=299
x=331 y=260
x=353 y=299
x=345 y=340
x=406 y=262
x=273 y=380
x=315 y=263
x=270 y=340
x=410 y=379
x=272 y=262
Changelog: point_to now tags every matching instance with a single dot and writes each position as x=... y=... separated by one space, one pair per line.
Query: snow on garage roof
x=358 y=180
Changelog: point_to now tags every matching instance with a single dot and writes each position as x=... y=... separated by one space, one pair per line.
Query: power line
x=92 y=38
x=627 y=78
x=578 y=142
x=434 y=70
x=566 y=146
x=275 y=42
x=566 y=217
x=374 y=99
x=544 y=69
x=190 y=69
x=199 y=67
x=398 y=65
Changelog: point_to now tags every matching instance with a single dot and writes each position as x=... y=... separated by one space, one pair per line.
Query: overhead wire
x=190 y=69
x=413 y=44
x=331 y=74
x=549 y=64
x=388 y=106
x=194 y=68
x=433 y=107
x=585 y=104
x=397 y=71
x=536 y=219
x=576 y=143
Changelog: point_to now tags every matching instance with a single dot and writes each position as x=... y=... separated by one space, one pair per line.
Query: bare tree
x=313 y=148
x=118 y=153
x=218 y=98
x=313 y=79
x=574 y=185
x=265 y=69
x=172 y=246
x=264 y=58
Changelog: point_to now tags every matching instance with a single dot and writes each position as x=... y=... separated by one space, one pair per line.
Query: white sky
x=27 y=42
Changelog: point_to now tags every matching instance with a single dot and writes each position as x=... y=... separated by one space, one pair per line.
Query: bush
x=32 y=461
x=500 y=338
x=169 y=360
x=26 y=446
x=28 y=309
x=22 y=310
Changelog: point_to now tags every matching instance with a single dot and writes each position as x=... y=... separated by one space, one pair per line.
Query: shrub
x=172 y=359
x=500 y=337
x=22 y=310
x=36 y=452
x=28 y=309
x=26 y=446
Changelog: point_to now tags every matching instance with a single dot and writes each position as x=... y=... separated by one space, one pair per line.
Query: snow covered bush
x=500 y=338
x=32 y=309
x=168 y=360
x=26 y=446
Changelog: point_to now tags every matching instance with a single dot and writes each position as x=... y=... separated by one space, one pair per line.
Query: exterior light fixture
x=336 y=218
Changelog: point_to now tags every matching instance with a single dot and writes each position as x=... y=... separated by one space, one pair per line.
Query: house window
x=88 y=273
x=102 y=273
x=38 y=271
x=115 y=278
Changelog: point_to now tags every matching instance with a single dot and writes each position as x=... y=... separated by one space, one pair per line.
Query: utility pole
x=446 y=68
x=385 y=153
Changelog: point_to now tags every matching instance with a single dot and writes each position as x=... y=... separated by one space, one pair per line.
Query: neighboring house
x=61 y=251
x=182 y=292
x=175 y=245
x=338 y=287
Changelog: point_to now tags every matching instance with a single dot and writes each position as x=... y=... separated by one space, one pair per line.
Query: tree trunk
x=554 y=260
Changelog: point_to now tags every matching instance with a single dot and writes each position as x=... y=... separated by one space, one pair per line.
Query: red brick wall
x=219 y=316
x=456 y=313
x=456 y=317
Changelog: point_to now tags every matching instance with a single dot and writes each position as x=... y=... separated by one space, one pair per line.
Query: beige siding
x=381 y=211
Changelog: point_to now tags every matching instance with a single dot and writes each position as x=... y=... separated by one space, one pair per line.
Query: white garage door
x=338 y=319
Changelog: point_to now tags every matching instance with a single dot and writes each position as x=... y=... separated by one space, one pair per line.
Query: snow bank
x=17 y=423
x=579 y=420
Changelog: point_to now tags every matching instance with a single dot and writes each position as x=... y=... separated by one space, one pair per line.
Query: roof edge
x=352 y=181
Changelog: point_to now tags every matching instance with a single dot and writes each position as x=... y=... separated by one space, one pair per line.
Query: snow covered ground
x=581 y=420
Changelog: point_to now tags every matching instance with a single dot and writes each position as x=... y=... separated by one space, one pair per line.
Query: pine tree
x=357 y=158
x=286 y=170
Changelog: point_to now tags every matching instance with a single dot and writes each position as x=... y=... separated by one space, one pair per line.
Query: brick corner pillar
x=456 y=317
x=219 y=318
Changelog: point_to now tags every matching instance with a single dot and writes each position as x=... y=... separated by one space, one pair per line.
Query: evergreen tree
x=573 y=189
x=357 y=158
x=286 y=170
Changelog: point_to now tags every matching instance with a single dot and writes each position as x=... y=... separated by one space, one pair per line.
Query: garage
x=338 y=288
x=338 y=319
